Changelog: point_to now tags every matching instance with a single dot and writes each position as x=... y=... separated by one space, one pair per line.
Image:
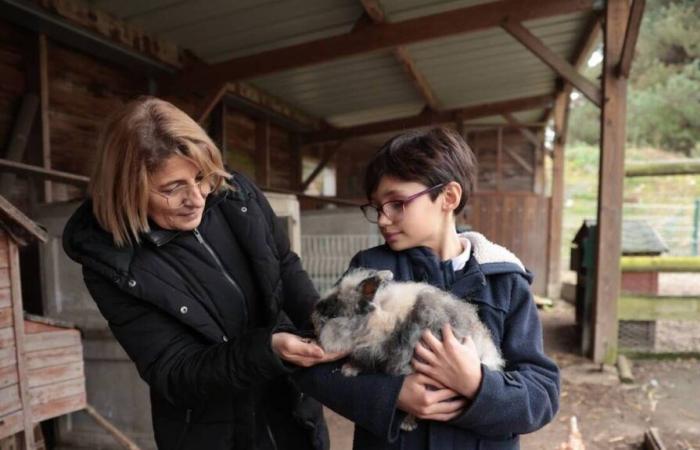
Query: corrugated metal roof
x=491 y=65
x=462 y=70
x=216 y=30
x=349 y=91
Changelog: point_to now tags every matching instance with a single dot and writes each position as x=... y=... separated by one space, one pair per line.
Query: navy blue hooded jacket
x=520 y=399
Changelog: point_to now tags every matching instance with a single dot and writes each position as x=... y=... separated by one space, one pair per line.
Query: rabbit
x=380 y=321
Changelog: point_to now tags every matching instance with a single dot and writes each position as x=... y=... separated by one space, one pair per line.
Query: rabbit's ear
x=368 y=287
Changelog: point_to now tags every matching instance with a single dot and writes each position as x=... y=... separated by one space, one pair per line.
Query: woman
x=199 y=285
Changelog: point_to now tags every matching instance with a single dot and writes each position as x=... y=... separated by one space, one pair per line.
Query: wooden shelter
x=41 y=362
x=277 y=83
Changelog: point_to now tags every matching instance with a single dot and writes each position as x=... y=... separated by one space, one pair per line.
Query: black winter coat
x=184 y=320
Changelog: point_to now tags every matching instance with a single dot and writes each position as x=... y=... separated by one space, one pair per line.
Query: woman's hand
x=426 y=398
x=303 y=352
x=456 y=365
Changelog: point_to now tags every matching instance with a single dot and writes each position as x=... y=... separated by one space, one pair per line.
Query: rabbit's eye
x=364 y=307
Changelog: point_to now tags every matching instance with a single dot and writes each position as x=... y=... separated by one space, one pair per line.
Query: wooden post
x=297 y=157
x=610 y=187
x=45 y=124
x=19 y=137
x=18 y=325
x=561 y=120
x=262 y=153
x=499 y=159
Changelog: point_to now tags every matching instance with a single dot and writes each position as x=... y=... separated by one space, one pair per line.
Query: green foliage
x=664 y=90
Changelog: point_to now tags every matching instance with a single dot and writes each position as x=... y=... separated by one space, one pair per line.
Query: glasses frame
x=187 y=188
x=403 y=203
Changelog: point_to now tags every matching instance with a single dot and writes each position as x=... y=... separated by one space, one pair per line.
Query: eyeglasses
x=176 y=196
x=394 y=209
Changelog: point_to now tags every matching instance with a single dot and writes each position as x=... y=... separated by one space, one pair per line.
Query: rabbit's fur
x=380 y=321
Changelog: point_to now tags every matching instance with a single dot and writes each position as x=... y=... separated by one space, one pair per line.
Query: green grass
x=581 y=180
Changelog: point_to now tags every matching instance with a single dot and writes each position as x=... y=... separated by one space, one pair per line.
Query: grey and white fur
x=380 y=321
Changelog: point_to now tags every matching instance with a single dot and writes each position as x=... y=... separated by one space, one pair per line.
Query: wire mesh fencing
x=326 y=257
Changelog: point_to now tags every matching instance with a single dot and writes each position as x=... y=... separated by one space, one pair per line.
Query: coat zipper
x=228 y=277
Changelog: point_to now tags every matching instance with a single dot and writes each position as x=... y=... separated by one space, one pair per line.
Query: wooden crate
x=41 y=363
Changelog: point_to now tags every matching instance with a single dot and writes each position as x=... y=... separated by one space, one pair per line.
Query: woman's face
x=175 y=201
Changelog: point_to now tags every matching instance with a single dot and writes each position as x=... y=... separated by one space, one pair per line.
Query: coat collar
x=160 y=236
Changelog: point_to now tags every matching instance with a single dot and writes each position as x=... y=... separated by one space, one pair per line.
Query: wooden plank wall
x=519 y=222
x=14 y=63
x=499 y=170
x=240 y=143
x=84 y=90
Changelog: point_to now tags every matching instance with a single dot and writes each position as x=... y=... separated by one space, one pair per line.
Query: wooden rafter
x=518 y=159
x=583 y=51
x=529 y=135
x=429 y=118
x=375 y=37
x=417 y=78
x=211 y=102
x=374 y=10
x=42 y=173
x=633 y=25
x=328 y=154
x=565 y=69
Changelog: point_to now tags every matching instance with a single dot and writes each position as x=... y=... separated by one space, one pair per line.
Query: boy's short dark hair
x=430 y=157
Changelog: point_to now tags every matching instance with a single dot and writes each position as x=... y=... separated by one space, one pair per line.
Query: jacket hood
x=493 y=258
x=87 y=243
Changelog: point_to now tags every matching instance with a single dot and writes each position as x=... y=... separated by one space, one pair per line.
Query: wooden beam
x=116 y=433
x=417 y=78
x=262 y=153
x=374 y=10
x=610 y=187
x=556 y=62
x=661 y=168
x=378 y=37
x=19 y=225
x=518 y=159
x=45 y=124
x=328 y=154
x=499 y=159
x=686 y=264
x=211 y=101
x=651 y=308
x=556 y=215
x=18 y=326
x=332 y=200
x=529 y=135
x=44 y=174
x=583 y=51
x=429 y=118
x=631 y=34
x=297 y=156
x=19 y=137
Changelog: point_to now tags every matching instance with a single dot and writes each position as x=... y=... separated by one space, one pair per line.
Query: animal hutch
x=650 y=320
x=41 y=362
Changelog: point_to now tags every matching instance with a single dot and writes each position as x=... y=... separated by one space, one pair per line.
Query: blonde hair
x=136 y=141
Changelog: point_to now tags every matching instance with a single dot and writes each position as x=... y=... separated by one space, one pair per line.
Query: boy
x=416 y=184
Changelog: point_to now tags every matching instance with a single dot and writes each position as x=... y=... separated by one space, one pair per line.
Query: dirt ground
x=610 y=415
